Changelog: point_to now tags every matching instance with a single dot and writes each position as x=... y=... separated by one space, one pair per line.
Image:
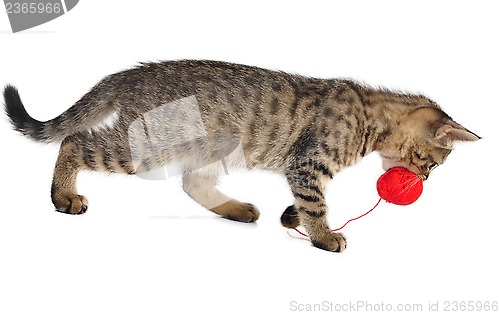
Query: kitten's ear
x=448 y=131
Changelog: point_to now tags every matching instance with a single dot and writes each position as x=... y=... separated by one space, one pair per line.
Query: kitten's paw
x=290 y=218
x=71 y=204
x=238 y=211
x=333 y=242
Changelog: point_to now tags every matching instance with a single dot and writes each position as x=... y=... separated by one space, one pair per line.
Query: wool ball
x=399 y=186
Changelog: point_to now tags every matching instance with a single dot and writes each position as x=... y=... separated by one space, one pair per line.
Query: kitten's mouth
x=424 y=176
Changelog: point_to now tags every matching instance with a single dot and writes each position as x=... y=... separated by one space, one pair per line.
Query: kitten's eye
x=433 y=166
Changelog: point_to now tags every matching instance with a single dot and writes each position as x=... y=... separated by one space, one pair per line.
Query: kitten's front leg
x=314 y=221
x=311 y=207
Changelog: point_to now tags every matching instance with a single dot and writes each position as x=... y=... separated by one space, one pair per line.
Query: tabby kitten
x=197 y=114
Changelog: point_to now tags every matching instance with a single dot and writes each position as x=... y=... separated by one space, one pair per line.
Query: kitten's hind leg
x=202 y=188
x=63 y=192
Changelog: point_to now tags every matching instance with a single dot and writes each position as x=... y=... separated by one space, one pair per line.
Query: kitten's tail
x=78 y=117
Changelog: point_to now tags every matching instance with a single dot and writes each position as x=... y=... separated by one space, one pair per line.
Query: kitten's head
x=422 y=140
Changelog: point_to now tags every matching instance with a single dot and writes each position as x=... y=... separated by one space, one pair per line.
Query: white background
x=146 y=248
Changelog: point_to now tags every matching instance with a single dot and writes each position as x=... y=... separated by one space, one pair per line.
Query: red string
x=340 y=228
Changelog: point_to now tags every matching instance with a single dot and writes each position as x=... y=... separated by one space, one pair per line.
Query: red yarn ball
x=399 y=186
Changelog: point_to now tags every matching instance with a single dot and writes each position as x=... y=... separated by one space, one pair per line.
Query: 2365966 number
x=32 y=8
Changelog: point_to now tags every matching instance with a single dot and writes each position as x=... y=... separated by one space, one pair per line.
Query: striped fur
x=305 y=128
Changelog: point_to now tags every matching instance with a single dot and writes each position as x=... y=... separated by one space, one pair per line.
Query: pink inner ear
x=442 y=131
